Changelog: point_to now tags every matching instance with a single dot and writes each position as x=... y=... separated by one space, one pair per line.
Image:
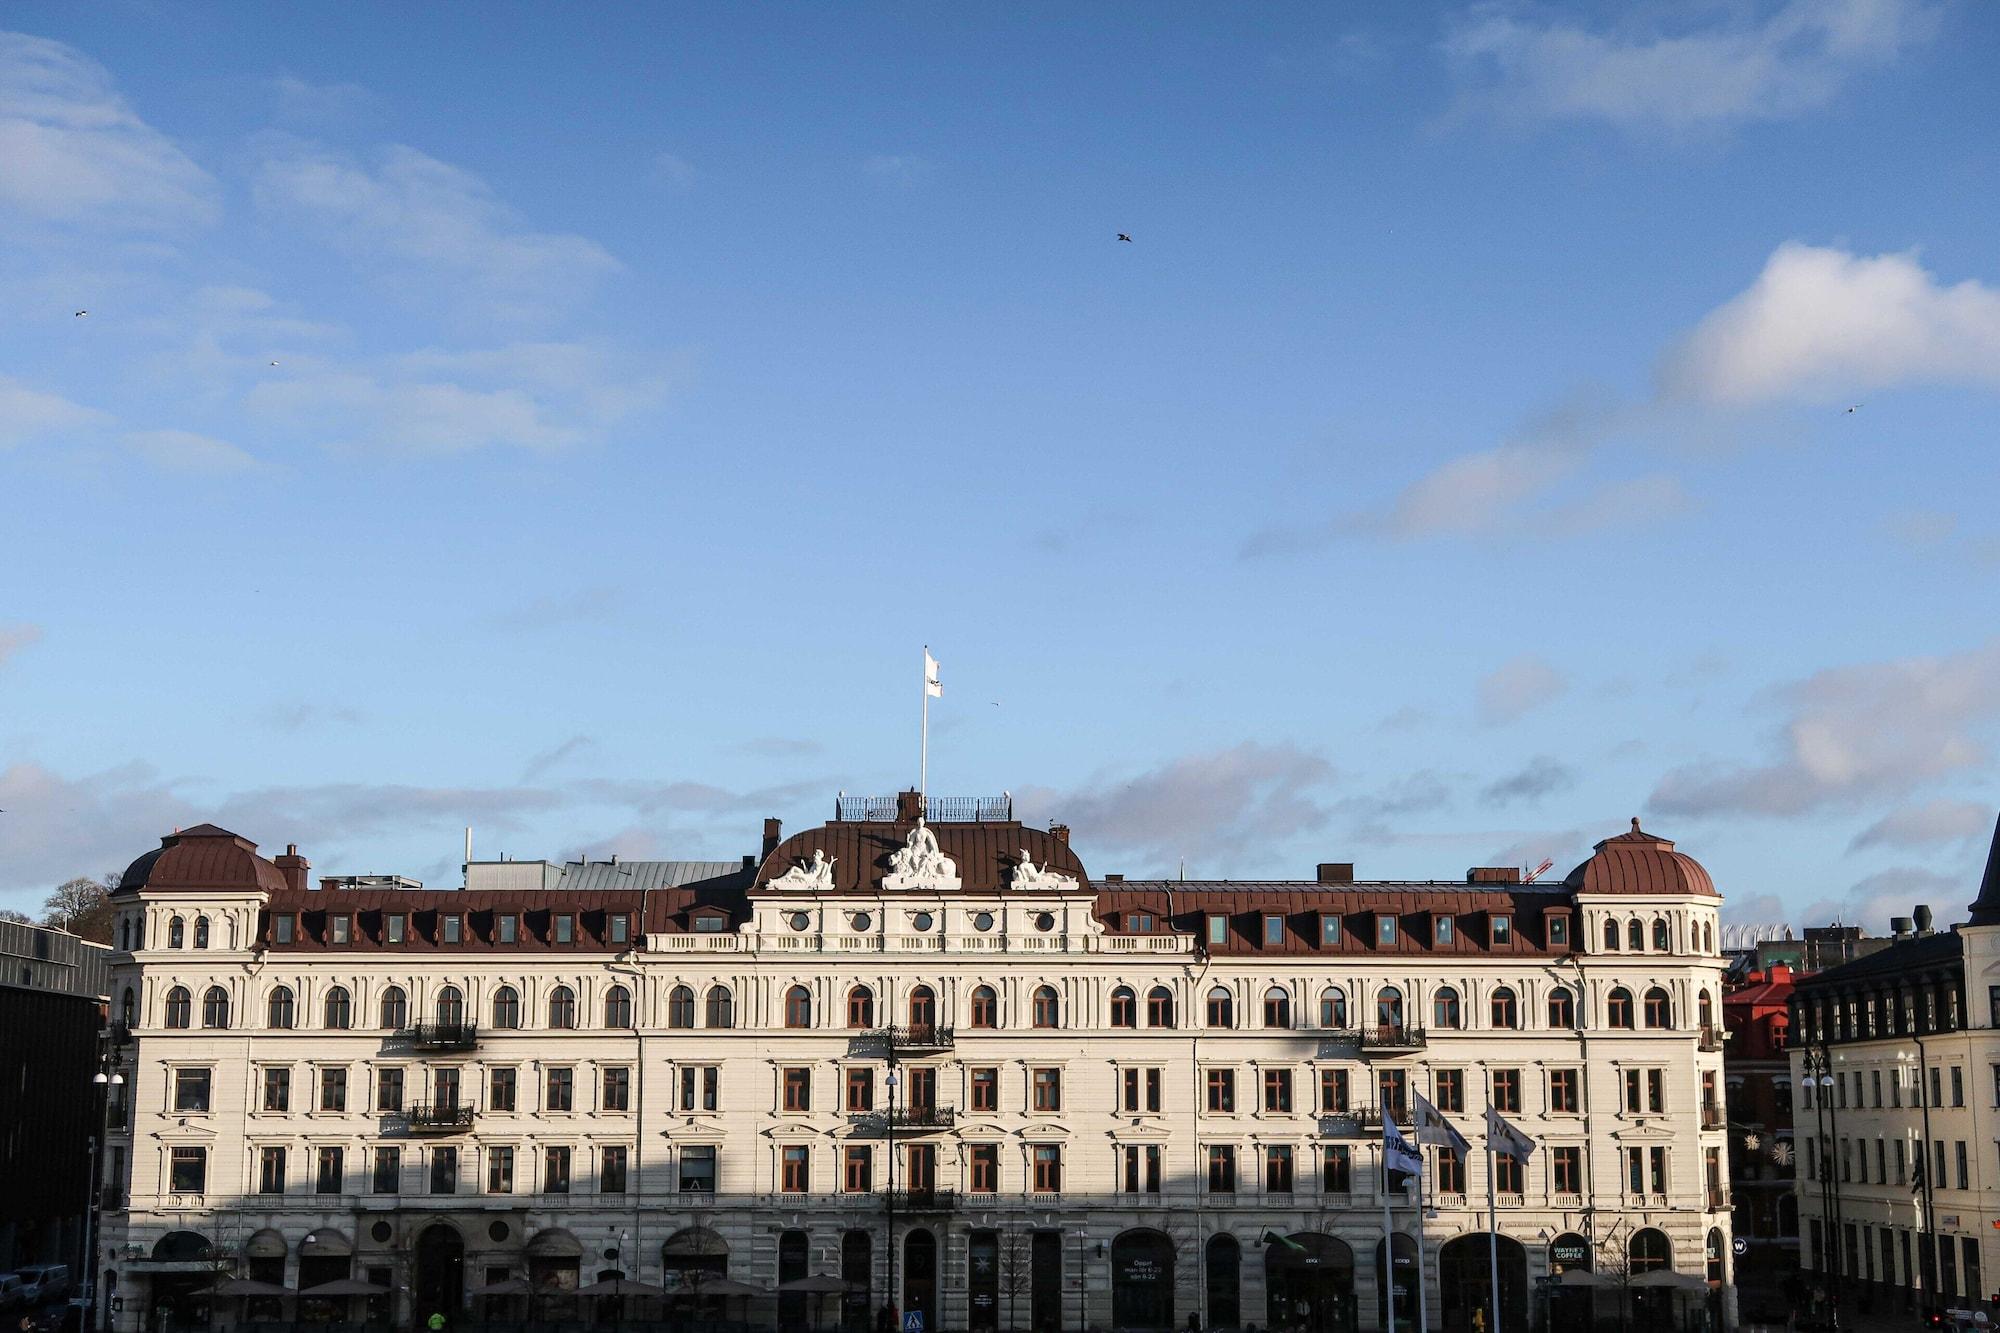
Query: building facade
x=922 y=1052
x=1897 y=1059
x=1763 y=1149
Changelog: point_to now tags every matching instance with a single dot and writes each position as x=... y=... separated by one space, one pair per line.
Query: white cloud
x=75 y=151
x=1854 y=735
x=1787 y=61
x=435 y=232
x=28 y=414
x=1926 y=825
x=185 y=451
x=1518 y=687
x=13 y=638
x=1542 y=776
x=57 y=827
x=1872 y=902
x=1828 y=325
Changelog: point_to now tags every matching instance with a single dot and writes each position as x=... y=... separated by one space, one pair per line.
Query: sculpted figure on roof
x=816 y=875
x=921 y=865
x=1031 y=878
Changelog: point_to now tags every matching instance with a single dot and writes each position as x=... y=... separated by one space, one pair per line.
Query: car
x=44 y=1282
x=12 y=1297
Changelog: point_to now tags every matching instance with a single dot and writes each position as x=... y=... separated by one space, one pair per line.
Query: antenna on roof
x=1537 y=872
x=468 y=844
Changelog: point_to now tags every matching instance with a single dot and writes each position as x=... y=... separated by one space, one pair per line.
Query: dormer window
x=1274 y=929
x=506 y=928
x=1139 y=923
x=618 y=928
x=1218 y=930
x=1443 y=931
x=1329 y=931
x=392 y=928
x=564 y=928
x=283 y=926
x=451 y=929
x=339 y=928
x=710 y=924
x=1385 y=930
x=1503 y=930
x=1559 y=932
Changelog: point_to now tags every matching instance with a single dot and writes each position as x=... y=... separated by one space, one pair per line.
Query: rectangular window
x=1450 y=1171
x=283 y=928
x=1221 y=1168
x=507 y=928
x=700 y=1088
x=1274 y=930
x=1222 y=1090
x=332 y=1171
x=1329 y=930
x=985 y=1089
x=387 y=1175
x=1048 y=1168
x=1218 y=930
x=1656 y=1090
x=388 y=1089
x=1566 y=1169
x=618 y=1088
x=1563 y=1094
x=187 y=1170
x=620 y=927
x=333 y=1089
x=499 y=1170
x=271 y=1171
x=191 y=1087
x=1448 y=1086
x=1047 y=1089
x=1278 y=1169
x=1507 y=1174
x=1964 y=1168
x=1139 y=1090
x=860 y=1089
x=1507 y=1091
x=1392 y=1088
x=504 y=1090
x=1385 y=930
x=555 y=1171
x=1333 y=1091
x=1937 y=1087
x=561 y=1089
x=1278 y=1090
x=444 y=1170
x=565 y=928
x=1559 y=932
x=277 y=1089
x=611 y=1169
x=857 y=1168
x=698 y=1170
x=1139 y=1168
x=1635 y=1170
x=1139 y=923
x=392 y=928
x=451 y=929
x=983 y=1165
x=340 y=929
x=798 y=1088
x=1875 y=1086
x=1441 y=929
x=1337 y=1169
x=1957 y=1086
x=1503 y=933
x=444 y=1086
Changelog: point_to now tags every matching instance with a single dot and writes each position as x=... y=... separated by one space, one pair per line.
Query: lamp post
x=104 y=1080
x=1819 y=1075
x=889 y=1084
x=1082 y=1263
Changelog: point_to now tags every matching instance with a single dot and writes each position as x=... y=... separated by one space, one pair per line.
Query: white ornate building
x=1071 y=1101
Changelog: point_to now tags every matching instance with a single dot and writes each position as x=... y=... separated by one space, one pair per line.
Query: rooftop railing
x=937 y=809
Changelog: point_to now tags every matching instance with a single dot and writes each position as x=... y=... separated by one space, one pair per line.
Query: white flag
x=1434 y=1129
x=932 y=686
x=1397 y=1154
x=1505 y=1139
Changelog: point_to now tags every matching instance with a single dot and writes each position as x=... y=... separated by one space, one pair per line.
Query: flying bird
x=81 y=313
x=1856 y=408
x=1125 y=237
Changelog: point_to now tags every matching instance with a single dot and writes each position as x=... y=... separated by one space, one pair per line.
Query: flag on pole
x=1434 y=1129
x=1505 y=1139
x=1399 y=1157
x=932 y=686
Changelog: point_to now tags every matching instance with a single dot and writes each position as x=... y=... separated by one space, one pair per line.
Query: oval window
x=924 y=921
x=862 y=920
x=982 y=920
x=799 y=921
x=1045 y=921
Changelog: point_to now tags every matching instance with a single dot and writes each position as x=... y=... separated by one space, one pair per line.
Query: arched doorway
x=1142 y=1282
x=1405 y=1284
x=1571 y=1305
x=177 y=1296
x=554 y=1258
x=1309 y=1283
x=857 y=1270
x=1650 y=1252
x=325 y=1255
x=791 y=1267
x=1224 y=1265
x=1465 y=1282
x=688 y=1260
x=920 y=1275
x=264 y=1254
x=440 y=1284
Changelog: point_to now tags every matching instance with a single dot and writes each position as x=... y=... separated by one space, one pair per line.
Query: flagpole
x=1492 y=1229
x=1423 y=1304
x=1388 y=1242
x=924 y=746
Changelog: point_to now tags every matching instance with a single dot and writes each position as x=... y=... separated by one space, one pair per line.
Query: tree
x=82 y=906
x=9 y=914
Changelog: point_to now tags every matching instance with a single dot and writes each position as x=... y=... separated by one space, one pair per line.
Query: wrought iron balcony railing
x=1393 y=1037
x=442 y=1036
x=915 y=1037
x=924 y=1201
x=424 y=1118
x=1713 y=1037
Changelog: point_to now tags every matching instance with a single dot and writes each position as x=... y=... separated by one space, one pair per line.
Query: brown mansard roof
x=986 y=852
x=202 y=857
x=1640 y=862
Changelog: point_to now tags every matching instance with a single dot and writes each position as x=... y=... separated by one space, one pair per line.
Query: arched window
x=1048 y=1010
x=451 y=1007
x=562 y=1007
x=923 y=1007
x=1277 y=1007
x=618 y=1008
x=1124 y=1008
x=125 y=934
x=985 y=1007
x=799 y=1007
x=1333 y=1007
x=1221 y=1008
x=1704 y=1009
x=1660 y=936
x=1635 y=935
x=1618 y=1009
x=1648 y=1251
x=176 y=933
x=395 y=1008
x=339 y=1008
x=128 y=1008
x=861 y=1008
x=680 y=1007
x=201 y=932
x=721 y=1007
x=1159 y=1007
x=1707 y=938
x=215 y=1008
x=178 y=1004
x=278 y=1011
x=1444 y=1008
x=1389 y=1009
x=506 y=1009
x=1506 y=1010
x=1562 y=1008
x=1611 y=935
x=1659 y=1009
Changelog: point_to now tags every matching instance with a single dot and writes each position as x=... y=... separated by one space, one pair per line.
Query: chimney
x=1780 y=974
x=293 y=867
x=1899 y=926
x=1922 y=916
x=1114 y=879
x=1493 y=875
x=909 y=806
x=1060 y=832
x=773 y=835
x=1336 y=872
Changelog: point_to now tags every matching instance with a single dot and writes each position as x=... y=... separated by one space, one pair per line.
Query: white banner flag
x=1397 y=1154
x=1507 y=1140
x=1434 y=1129
x=932 y=686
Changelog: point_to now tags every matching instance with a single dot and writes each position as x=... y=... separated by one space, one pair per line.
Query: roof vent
x=1922 y=916
x=1114 y=879
x=1899 y=926
x=1336 y=872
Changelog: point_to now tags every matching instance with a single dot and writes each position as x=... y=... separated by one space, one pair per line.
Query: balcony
x=1713 y=1037
x=921 y=1119
x=1392 y=1039
x=916 y=1039
x=1712 y=1117
x=1718 y=1198
x=427 y=1119
x=442 y=1036
x=924 y=1201
x=111 y=1198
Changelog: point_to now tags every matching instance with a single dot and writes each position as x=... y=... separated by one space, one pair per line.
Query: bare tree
x=9 y=914
x=82 y=906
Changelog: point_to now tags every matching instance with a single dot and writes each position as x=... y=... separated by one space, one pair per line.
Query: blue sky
x=572 y=423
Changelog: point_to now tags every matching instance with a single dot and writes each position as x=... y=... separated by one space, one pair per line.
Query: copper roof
x=204 y=858
x=986 y=852
x=1640 y=862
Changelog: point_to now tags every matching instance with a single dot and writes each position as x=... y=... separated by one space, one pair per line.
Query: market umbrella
x=1581 y=1277
x=819 y=1285
x=722 y=1286
x=346 y=1286
x=243 y=1286
x=621 y=1286
x=1667 y=1277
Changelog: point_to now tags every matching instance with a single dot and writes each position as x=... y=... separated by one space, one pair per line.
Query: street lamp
x=1082 y=1261
x=104 y=1080
x=890 y=1083
x=1819 y=1074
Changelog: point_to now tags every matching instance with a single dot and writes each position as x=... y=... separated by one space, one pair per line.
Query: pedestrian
x=1194 y=1321
x=436 y=1322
